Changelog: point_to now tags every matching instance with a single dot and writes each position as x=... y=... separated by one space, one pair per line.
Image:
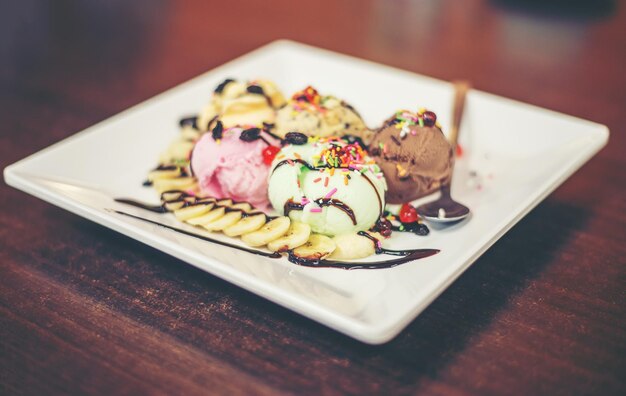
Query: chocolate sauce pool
x=411 y=255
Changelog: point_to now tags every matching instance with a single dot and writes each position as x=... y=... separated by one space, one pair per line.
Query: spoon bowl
x=443 y=210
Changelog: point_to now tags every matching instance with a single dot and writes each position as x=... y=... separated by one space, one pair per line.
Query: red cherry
x=408 y=214
x=429 y=118
x=459 y=151
x=269 y=153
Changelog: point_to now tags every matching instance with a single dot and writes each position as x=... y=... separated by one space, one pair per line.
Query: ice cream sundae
x=300 y=180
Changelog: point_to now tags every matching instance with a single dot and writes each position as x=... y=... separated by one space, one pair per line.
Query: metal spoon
x=445 y=209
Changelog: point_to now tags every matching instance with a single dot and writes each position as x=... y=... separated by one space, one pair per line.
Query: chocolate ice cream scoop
x=413 y=154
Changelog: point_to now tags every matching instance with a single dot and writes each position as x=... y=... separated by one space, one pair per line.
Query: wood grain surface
x=84 y=310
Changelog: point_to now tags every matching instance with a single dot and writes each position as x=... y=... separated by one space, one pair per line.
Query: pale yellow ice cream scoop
x=237 y=103
x=310 y=113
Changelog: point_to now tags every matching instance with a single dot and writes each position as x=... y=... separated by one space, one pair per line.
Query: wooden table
x=84 y=310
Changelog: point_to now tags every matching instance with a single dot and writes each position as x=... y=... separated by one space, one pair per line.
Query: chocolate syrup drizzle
x=204 y=238
x=192 y=121
x=220 y=88
x=190 y=200
x=258 y=90
x=137 y=204
x=411 y=255
x=165 y=167
x=321 y=202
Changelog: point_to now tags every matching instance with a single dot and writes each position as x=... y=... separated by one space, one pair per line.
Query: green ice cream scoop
x=328 y=183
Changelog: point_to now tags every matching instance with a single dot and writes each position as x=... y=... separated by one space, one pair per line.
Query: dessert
x=228 y=165
x=242 y=103
x=413 y=154
x=232 y=163
x=310 y=113
x=328 y=183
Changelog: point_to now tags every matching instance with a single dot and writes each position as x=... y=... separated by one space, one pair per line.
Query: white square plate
x=520 y=152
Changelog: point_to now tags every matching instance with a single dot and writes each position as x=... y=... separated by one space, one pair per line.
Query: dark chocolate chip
x=255 y=89
x=189 y=121
x=218 y=130
x=421 y=229
x=220 y=88
x=383 y=226
x=417 y=228
x=251 y=134
x=296 y=138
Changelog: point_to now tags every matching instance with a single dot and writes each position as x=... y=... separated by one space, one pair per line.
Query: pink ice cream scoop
x=230 y=165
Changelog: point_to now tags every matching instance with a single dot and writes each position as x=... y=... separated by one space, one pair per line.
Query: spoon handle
x=460 y=92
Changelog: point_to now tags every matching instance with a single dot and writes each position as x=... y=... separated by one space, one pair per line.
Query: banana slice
x=208 y=217
x=269 y=232
x=189 y=212
x=179 y=183
x=172 y=195
x=172 y=206
x=225 y=202
x=316 y=248
x=163 y=174
x=353 y=246
x=246 y=207
x=246 y=225
x=297 y=235
x=225 y=221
